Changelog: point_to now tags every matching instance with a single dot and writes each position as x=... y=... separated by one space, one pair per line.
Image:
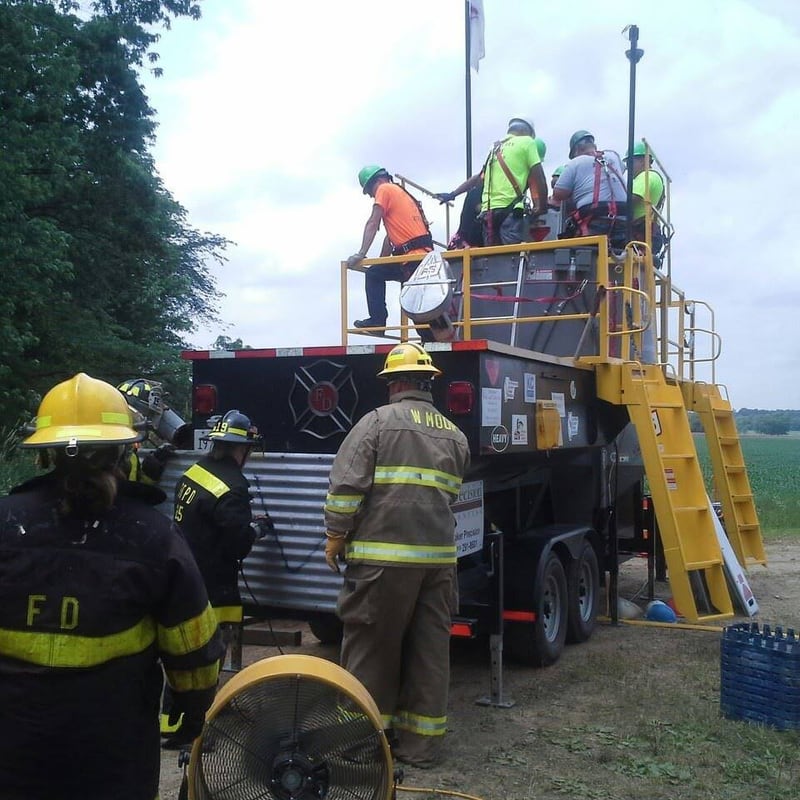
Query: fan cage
x=292 y=731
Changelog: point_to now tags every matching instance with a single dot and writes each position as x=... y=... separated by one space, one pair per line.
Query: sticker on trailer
x=540 y=275
x=491 y=407
x=323 y=399
x=519 y=429
x=669 y=476
x=573 y=425
x=529 y=390
x=468 y=511
x=492 y=366
x=656 y=422
x=498 y=438
x=510 y=388
x=559 y=400
x=200 y=438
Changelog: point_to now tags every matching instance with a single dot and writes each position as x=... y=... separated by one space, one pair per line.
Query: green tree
x=102 y=271
x=774 y=425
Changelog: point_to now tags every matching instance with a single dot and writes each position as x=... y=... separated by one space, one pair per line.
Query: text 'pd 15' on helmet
x=83 y=410
x=234 y=427
x=408 y=358
x=367 y=174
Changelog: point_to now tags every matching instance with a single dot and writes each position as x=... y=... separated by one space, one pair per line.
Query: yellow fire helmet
x=83 y=410
x=409 y=358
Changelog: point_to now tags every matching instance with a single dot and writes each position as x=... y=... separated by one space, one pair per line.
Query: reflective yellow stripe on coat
x=68 y=650
x=395 y=553
x=343 y=503
x=418 y=476
x=419 y=724
x=188 y=636
x=211 y=483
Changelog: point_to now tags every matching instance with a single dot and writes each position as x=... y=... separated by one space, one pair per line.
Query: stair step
x=707 y=564
x=742 y=498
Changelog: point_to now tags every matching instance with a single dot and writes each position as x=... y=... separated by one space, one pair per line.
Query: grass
x=635 y=713
x=773 y=468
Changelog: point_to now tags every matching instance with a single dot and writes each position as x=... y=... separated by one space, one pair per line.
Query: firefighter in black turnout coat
x=212 y=509
x=97 y=591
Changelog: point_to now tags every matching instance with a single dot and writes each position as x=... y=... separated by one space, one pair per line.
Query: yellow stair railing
x=730 y=472
x=695 y=563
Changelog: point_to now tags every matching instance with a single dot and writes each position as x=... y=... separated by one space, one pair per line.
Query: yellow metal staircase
x=730 y=472
x=691 y=548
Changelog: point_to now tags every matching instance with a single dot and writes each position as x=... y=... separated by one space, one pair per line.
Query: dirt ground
x=533 y=749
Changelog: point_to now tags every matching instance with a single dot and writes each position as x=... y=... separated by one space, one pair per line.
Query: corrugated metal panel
x=287 y=569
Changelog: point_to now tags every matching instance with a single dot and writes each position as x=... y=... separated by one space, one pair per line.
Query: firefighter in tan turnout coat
x=388 y=509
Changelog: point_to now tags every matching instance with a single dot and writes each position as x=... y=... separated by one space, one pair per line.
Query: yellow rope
x=686 y=626
x=447 y=792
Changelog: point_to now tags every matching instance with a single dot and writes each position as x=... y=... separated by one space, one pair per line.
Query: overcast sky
x=268 y=110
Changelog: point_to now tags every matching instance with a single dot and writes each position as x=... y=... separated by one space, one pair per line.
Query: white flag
x=476 y=46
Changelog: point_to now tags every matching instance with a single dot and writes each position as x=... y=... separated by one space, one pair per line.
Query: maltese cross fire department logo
x=323 y=399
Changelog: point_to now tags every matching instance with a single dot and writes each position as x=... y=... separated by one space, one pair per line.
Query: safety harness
x=583 y=217
x=494 y=217
x=423 y=240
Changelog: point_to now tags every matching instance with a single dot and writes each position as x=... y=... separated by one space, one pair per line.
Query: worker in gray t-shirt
x=593 y=182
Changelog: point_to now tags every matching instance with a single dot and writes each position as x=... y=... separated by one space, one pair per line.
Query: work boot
x=370 y=322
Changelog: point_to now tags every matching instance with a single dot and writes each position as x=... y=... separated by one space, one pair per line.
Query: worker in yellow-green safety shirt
x=513 y=166
x=648 y=189
x=99 y=592
x=393 y=482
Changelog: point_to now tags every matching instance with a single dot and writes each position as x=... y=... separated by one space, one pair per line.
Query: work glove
x=334 y=547
x=164 y=452
x=445 y=197
x=191 y=725
x=355 y=259
x=262 y=525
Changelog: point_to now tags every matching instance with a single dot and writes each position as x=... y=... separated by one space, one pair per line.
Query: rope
x=446 y=792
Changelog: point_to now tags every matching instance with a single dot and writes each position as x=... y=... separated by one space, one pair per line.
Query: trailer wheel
x=540 y=643
x=327 y=628
x=583 y=588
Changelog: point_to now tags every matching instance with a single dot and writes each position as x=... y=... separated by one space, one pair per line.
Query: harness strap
x=426 y=240
x=498 y=154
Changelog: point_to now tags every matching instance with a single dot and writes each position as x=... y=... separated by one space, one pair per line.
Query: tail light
x=204 y=399
x=460 y=397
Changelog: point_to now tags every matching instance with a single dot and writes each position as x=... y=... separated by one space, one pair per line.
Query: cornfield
x=773 y=467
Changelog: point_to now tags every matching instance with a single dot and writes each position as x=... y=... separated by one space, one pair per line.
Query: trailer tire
x=541 y=643
x=327 y=628
x=583 y=591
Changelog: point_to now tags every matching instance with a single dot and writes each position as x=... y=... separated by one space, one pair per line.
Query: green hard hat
x=639 y=149
x=575 y=138
x=366 y=174
x=541 y=148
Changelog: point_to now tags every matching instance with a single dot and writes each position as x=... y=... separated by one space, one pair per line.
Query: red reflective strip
x=473 y=344
x=463 y=629
x=272 y=352
x=519 y=616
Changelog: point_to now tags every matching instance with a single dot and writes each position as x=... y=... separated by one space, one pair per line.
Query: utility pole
x=634 y=56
